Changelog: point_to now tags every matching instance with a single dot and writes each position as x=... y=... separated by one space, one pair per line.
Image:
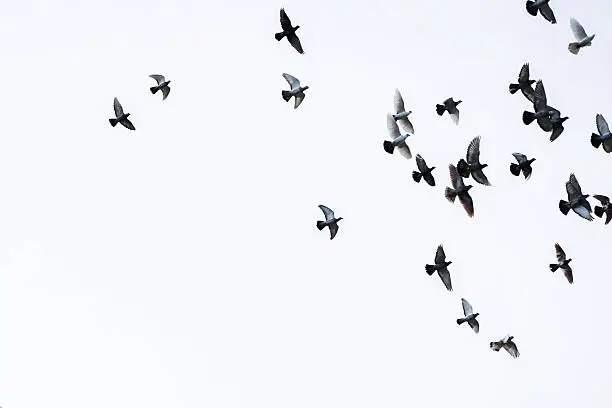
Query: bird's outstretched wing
x=421 y=165
x=298 y=99
x=604 y=200
x=398 y=102
x=520 y=158
x=467 y=308
x=473 y=151
x=118 y=108
x=329 y=214
x=547 y=13
x=293 y=82
x=165 y=92
x=295 y=42
x=158 y=78
x=440 y=255
x=539 y=94
x=524 y=74
x=560 y=253
x=446 y=279
x=577 y=29
x=466 y=201
x=284 y=20
x=573 y=188
x=394 y=131
x=602 y=125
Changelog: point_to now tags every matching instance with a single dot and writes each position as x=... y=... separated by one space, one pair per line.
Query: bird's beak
x=458 y=102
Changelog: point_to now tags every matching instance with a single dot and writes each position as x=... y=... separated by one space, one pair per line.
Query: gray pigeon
x=472 y=165
x=296 y=91
x=507 y=344
x=121 y=117
x=523 y=165
x=541 y=108
x=440 y=266
x=557 y=123
x=459 y=190
x=577 y=201
x=604 y=137
x=424 y=172
x=330 y=221
x=563 y=263
x=606 y=207
x=397 y=139
x=543 y=7
x=524 y=83
x=401 y=115
x=582 y=38
x=289 y=32
x=470 y=316
x=162 y=85
x=449 y=106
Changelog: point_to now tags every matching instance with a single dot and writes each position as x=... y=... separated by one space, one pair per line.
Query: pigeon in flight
x=563 y=263
x=524 y=83
x=289 y=32
x=577 y=201
x=557 y=123
x=543 y=112
x=470 y=316
x=605 y=208
x=330 y=221
x=398 y=140
x=582 y=38
x=162 y=85
x=543 y=7
x=604 y=137
x=401 y=115
x=459 y=189
x=523 y=165
x=424 y=172
x=472 y=165
x=440 y=266
x=507 y=345
x=296 y=91
x=120 y=116
x=450 y=106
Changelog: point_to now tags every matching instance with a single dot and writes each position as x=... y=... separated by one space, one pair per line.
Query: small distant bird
x=450 y=106
x=542 y=110
x=398 y=140
x=289 y=32
x=563 y=263
x=472 y=165
x=470 y=316
x=543 y=7
x=577 y=201
x=507 y=344
x=459 y=189
x=582 y=38
x=401 y=115
x=330 y=221
x=604 y=137
x=523 y=165
x=296 y=91
x=162 y=85
x=524 y=83
x=605 y=208
x=120 y=116
x=557 y=123
x=424 y=172
x=441 y=266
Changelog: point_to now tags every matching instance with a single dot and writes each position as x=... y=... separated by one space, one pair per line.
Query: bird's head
x=484 y=165
x=338 y=219
x=448 y=262
x=476 y=314
x=168 y=82
x=305 y=88
x=569 y=260
x=467 y=188
x=531 y=160
x=458 y=102
x=532 y=81
x=409 y=112
x=296 y=27
x=563 y=119
x=127 y=114
x=431 y=168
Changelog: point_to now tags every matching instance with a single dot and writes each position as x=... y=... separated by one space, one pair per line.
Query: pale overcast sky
x=179 y=265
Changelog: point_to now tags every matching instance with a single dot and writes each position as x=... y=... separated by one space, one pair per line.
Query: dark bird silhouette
x=289 y=32
x=470 y=316
x=604 y=137
x=441 y=266
x=424 y=172
x=472 y=165
x=121 y=117
x=543 y=7
x=557 y=123
x=605 y=208
x=542 y=110
x=330 y=221
x=450 y=106
x=523 y=165
x=563 y=263
x=459 y=190
x=524 y=84
x=507 y=344
x=576 y=200
x=162 y=85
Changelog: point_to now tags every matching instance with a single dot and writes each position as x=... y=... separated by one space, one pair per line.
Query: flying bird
x=289 y=32
x=162 y=85
x=121 y=117
x=470 y=316
x=557 y=123
x=449 y=106
x=606 y=207
x=576 y=200
x=604 y=137
x=397 y=139
x=543 y=7
x=523 y=165
x=459 y=190
x=472 y=163
x=330 y=221
x=296 y=91
x=543 y=112
x=582 y=38
x=524 y=83
x=507 y=344
x=441 y=266
x=563 y=263
x=424 y=172
x=401 y=115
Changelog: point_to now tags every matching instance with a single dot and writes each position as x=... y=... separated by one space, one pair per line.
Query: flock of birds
x=548 y=118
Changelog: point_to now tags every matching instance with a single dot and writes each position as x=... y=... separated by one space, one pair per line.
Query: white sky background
x=179 y=265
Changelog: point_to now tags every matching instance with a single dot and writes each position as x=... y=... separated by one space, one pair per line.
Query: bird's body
x=472 y=163
x=296 y=91
x=401 y=115
x=470 y=316
x=162 y=85
x=557 y=123
x=289 y=32
x=121 y=117
x=563 y=264
x=424 y=172
x=543 y=7
x=459 y=190
x=524 y=84
x=441 y=266
x=330 y=221
x=507 y=344
x=450 y=106
x=397 y=139
x=582 y=38
x=542 y=112
x=576 y=200
x=604 y=137
x=524 y=165
x=605 y=208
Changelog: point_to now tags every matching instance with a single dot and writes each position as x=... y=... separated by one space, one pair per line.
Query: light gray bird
x=604 y=137
x=401 y=116
x=523 y=165
x=542 y=110
x=296 y=91
x=424 y=172
x=441 y=266
x=397 y=139
x=450 y=106
x=472 y=165
x=507 y=344
x=576 y=200
x=582 y=38
x=162 y=85
x=121 y=117
x=524 y=84
x=289 y=32
x=563 y=263
x=543 y=7
x=330 y=221
x=470 y=316
x=606 y=207
x=459 y=190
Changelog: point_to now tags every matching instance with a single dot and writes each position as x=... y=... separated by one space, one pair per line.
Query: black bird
x=424 y=172
x=605 y=208
x=577 y=201
x=450 y=106
x=541 y=108
x=440 y=266
x=557 y=123
x=473 y=165
x=563 y=263
x=121 y=117
x=543 y=7
x=524 y=83
x=507 y=344
x=330 y=221
x=459 y=189
x=289 y=32
x=523 y=165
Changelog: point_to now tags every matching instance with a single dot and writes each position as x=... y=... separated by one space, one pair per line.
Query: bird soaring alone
x=604 y=137
x=524 y=83
x=470 y=316
x=507 y=344
x=576 y=200
x=121 y=117
x=450 y=106
x=424 y=172
x=441 y=266
x=543 y=7
x=289 y=32
x=472 y=165
x=296 y=91
x=397 y=139
x=401 y=115
x=330 y=221
x=162 y=85
x=523 y=165
x=459 y=190
x=582 y=38
x=563 y=263
x=606 y=207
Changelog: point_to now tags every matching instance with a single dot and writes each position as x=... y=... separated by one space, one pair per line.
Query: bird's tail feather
x=450 y=194
x=388 y=146
x=528 y=117
x=515 y=169
x=574 y=48
x=564 y=206
x=113 y=122
x=154 y=89
x=416 y=176
x=514 y=88
x=531 y=8
x=553 y=267
x=320 y=225
x=440 y=109
x=598 y=211
x=463 y=169
x=279 y=36
x=595 y=140
x=430 y=269
x=286 y=96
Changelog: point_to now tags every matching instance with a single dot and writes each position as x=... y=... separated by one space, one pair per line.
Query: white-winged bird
x=563 y=263
x=576 y=200
x=582 y=38
x=604 y=137
x=162 y=85
x=470 y=316
x=121 y=117
x=330 y=221
x=296 y=91
x=507 y=344
x=450 y=106
x=401 y=115
x=424 y=172
x=459 y=190
x=397 y=139
x=606 y=207
x=441 y=266
x=523 y=165
x=472 y=163
x=289 y=32
x=543 y=7
x=524 y=83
